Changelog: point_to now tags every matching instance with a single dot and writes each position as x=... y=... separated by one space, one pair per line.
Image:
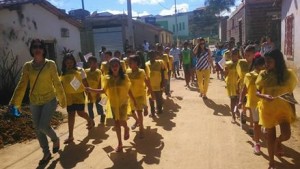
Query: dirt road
x=191 y=133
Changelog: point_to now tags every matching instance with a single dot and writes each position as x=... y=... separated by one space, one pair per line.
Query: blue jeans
x=176 y=67
x=91 y=111
x=41 y=117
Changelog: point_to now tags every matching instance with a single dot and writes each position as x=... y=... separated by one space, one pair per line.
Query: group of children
x=123 y=82
x=253 y=83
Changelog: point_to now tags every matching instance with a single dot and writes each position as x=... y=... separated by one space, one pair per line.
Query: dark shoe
x=102 y=119
x=45 y=159
x=56 y=147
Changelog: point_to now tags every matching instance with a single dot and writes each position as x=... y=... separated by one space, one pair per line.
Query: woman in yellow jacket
x=74 y=82
x=116 y=85
x=45 y=87
x=276 y=80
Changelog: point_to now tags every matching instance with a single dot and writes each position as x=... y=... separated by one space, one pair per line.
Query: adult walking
x=45 y=87
x=203 y=66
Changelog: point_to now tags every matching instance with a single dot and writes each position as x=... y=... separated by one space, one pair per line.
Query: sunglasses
x=37 y=47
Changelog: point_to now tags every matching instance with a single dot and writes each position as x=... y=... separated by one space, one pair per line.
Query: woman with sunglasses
x=45 y=88
x=203 y=66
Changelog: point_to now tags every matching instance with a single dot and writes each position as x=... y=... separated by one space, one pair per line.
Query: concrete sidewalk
x=191 y=133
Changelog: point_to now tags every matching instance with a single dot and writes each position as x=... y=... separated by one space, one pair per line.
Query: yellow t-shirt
x=47 y=86
x=137 y=88
x=231 y=79
x=242 y=68
x=117 y=90
x=154 y=72
x=249 y=82
x=74 y=96
x=94 y=79
x=276 y=111
x=165 y=59
x=171 y=60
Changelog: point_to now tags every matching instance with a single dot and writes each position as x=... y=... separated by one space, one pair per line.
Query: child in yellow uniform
x=93 y=76
x=252 y=100
x=156 y=72
x=139 y=81
x=171 y=60
x=74 y=80
x=105 y=64
x=232 y=80
x=165 y=60
x=271 y=83
x=117 y=88
x=243 y=67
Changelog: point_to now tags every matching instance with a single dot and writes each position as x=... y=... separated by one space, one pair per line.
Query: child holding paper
x=94 y=80
x=74 y=80
x=274 y=81
x=117 y=87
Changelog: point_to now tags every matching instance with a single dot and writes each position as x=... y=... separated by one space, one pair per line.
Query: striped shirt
x=202 y=61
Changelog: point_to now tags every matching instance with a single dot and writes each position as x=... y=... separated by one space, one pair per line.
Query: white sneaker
x=256 y=149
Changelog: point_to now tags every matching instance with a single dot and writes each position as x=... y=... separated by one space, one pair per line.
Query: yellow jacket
x=47 y=86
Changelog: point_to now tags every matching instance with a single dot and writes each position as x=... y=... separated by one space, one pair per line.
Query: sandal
x=45 y=159
x=134 y=125
x=56 y=146
x=126 y=134
x=119 y=149
x=69 y=140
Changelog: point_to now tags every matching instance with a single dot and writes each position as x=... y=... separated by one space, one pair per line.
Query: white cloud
x=144 y=2
x=134 y=13
x=180 y=8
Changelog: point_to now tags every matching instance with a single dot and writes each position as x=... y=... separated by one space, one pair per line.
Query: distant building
x=23 y=20
x=254 y=19
x=111 y=31
x=222 y=29
x=290 y=23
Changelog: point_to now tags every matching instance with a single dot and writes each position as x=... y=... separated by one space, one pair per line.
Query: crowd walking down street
x=224 y=120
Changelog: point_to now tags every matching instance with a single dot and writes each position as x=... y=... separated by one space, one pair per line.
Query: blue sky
x=139 y=7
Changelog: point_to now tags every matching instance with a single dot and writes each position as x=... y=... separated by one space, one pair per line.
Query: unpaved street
x=191 y=133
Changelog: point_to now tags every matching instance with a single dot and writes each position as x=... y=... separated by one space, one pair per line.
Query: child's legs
x=159 y=100
x=118 y=132
x=151 y=102
x=134 y=116
x=271 y=137
x=257 y=127
x=285 y=134
x=233 y=103
x=71 y=123
x=140 y=119
x=99 y=108
x=90 y=110
x=206 y=78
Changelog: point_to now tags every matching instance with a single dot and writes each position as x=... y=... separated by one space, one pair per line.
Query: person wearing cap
x=116 y=85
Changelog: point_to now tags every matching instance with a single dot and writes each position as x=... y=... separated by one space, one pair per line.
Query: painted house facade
x=254 y=19
x=290 y=23
x=23 y=20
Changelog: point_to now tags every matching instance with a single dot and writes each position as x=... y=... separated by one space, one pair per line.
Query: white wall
x=181 y=18
x=292 y=7
x=48 y=27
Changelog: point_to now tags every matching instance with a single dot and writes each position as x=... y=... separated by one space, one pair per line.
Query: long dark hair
x=200 y=50
x=43 y=46
x=257 y=61
x=280 y=66
x=121 y=71
x=64 y=67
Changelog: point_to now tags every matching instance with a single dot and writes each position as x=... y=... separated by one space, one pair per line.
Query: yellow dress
x=117 y=90
x=73 y=96
x=242 y=68
x=249 y=81
x=93 y=78
x=272 y=113
x=47 y=87
x=231 y=79
x=154 y=72
x=137 y=88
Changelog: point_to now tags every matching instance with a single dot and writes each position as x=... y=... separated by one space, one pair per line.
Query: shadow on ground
x=76 y=153
x=169 y=112
x=219 y=109
x=149 y=147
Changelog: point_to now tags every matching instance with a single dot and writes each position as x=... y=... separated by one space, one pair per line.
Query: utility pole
x=130 y=25
x=176 y=24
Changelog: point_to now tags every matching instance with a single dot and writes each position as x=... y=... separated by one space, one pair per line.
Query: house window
x=64 y=32
x=289 y=37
